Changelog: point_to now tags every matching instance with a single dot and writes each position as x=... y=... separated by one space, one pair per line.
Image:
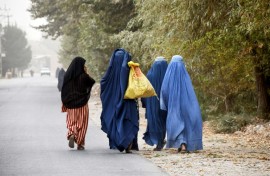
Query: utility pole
x=5 y=10
x=1 y=61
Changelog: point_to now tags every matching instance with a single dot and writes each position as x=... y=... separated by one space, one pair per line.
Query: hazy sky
x=17 y=9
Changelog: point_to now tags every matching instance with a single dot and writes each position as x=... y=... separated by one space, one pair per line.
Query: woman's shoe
x=160 y=146
x=71 y=141
x=128 y=149
x=134 y=147
x=164 y=143
x=80 y=147
x=182 y=149
x=157 y=149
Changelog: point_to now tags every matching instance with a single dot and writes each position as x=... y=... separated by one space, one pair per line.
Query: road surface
x=33 y=137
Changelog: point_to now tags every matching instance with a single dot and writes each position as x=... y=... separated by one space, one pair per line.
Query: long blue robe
x=184 y=121
x=156 y=118
x=119 y=117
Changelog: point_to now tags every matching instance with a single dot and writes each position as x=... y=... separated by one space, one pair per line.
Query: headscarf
x=77 y=85
x=156 y=118
x=177 y=96
x=75 y=69
x=119 y=117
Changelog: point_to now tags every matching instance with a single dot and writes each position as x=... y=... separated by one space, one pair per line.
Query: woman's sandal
x=128 y=149
x=182 y=149
x=80 y=147
x=158 y=148
x=71 y=141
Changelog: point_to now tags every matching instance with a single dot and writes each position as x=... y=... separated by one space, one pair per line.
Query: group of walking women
x=173 y=115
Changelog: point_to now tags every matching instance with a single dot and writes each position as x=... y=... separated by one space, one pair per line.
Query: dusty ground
x=244 y=153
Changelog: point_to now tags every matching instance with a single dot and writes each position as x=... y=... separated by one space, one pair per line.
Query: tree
x=225 y=44
x=240 y=33
x=90 y=24
x=18 y=52
x=254 y=25
x=222 y=43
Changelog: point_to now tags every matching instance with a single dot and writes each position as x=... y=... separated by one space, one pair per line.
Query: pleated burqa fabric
x=156 y=118
x=178 y=98
x=119 y=117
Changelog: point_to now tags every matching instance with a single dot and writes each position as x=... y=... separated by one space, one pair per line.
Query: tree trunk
x=228 y=103
x=263 y=97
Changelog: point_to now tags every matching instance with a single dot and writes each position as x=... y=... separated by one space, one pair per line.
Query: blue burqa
x=156 y=118
x=177 y=96
x=119 y=116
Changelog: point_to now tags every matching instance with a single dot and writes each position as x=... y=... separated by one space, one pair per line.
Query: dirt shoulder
x=244 y=153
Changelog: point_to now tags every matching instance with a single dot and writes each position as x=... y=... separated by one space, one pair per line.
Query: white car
x=45 y=71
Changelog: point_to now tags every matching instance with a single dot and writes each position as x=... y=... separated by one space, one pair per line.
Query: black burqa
x=57 y=72
x=77 y=85
x=61 y=75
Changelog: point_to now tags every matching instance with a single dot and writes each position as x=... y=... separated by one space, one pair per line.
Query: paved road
x=33 y=137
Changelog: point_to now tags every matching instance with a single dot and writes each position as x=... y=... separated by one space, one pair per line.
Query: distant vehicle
x=45 y=71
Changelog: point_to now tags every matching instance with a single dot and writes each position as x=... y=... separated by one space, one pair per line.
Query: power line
x=4 y=13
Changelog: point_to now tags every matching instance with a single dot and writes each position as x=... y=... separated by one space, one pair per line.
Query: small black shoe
x=183 y=148
x=164 y=143
x=157 y=149
x=128 y=149
x=136 y=148
x=71 y=141
x=160 y=146
x=80 y=147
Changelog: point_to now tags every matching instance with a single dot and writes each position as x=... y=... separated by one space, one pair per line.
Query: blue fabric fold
x=177 y=96
x=119 y=116
x=156 y=118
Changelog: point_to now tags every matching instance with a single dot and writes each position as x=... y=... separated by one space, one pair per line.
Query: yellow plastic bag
x=138 y=84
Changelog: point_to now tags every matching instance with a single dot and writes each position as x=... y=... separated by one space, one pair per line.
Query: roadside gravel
x=244 y=153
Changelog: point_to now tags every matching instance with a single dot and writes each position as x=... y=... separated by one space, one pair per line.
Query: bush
x=230 y=123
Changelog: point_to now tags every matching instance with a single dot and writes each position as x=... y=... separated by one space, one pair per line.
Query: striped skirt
x=77 y=123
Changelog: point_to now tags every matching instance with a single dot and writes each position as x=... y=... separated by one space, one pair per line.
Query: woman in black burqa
x=75 y=94
x=60 y=78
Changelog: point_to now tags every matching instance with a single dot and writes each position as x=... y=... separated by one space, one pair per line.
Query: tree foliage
x=15 y=45
x=225 y=43
x=89 y=24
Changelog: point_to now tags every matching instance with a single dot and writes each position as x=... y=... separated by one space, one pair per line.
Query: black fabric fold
x=77 y=85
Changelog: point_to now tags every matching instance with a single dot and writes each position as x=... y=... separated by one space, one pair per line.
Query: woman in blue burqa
x=119 y=116
x=178 y=98
x=156 y=118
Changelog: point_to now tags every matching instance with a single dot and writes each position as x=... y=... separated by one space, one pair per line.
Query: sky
x=17 y=9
